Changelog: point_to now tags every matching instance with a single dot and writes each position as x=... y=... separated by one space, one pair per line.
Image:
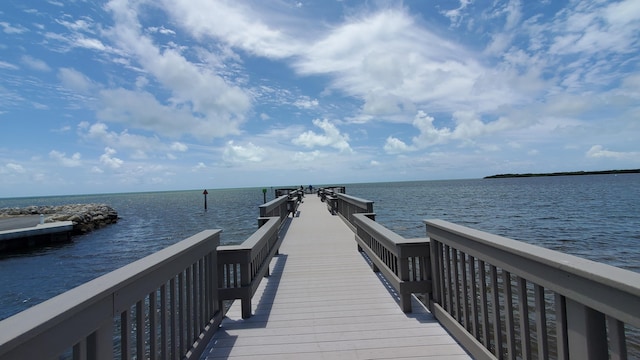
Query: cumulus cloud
x=468 y=127
x=108 y=159
x=62 y=159
x=331 y=137
x=394 y=145
x=202 y=103
x=178 y=146
x=235 y=154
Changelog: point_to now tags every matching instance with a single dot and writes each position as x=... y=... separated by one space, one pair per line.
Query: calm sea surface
x=596 y=217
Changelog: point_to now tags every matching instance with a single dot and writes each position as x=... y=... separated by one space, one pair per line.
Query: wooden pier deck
x=323 y=301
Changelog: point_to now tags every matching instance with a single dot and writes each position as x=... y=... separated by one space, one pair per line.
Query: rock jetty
x=86 y=217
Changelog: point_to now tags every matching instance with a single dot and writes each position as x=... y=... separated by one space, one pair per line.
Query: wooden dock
x=323 y=301
x=25 y=232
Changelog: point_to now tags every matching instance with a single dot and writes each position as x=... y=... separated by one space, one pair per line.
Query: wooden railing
x=345 y=205
x=403 y=262
x=163 y=306
x=277 y=207
x=506 y=299
x=281 y=206
x=242 y=267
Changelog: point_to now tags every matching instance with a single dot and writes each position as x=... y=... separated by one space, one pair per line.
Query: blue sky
x=119 y=96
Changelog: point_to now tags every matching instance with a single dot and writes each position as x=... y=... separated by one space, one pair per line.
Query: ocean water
x=596 y=217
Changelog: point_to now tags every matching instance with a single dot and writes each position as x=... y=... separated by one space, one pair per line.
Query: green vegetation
x=567 y=173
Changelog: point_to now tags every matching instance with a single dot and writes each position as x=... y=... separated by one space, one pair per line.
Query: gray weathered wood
x=323 y=301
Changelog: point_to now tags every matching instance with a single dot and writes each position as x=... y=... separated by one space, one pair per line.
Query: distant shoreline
x=566 y=173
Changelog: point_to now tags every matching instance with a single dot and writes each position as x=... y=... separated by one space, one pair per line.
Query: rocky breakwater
x=86 y=217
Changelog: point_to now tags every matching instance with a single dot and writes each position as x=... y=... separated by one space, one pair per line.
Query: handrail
x=166 y=299
x=494 y=294
x=346 y=205
x=349 y=205
x=276 y=207
x=403 y=262
x=242 y=267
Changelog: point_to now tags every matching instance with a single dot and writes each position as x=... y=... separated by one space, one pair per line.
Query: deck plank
x=322 y=301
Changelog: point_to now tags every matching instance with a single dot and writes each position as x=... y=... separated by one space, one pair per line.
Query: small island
x=566 y=173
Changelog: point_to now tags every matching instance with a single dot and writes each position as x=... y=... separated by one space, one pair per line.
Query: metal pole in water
x=205 y=192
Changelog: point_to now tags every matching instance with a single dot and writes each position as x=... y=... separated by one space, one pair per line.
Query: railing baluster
x=100 y=342
x=448 y=282
x=541 y=322
x=181 y=314
x=465 y=291
x=523 y=308
x=508 y=315
x=164 y=331
x=484 y=304
x=188 y=317
x=562 y=337
x=497 y=326
x=140 y=330
x=173 y=318
x=125 y=334
x=153 y=326
x=617 y=341
x=474 y=297
x=456 y=284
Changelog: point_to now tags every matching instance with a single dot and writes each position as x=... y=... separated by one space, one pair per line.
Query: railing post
x=100 y=343
x=405 y=298
x=245 y=282
x=587 y=332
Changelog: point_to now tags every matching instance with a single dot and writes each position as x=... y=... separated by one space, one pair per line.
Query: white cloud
x=139 y=144
x=178 y=146
x=162 y=30
x=238 y=24
x=306 y=103
x=394 y=64
x=199 y=166
x=75 y=80
x=108 y=158
x=15 y=168
x=595 y=27
x=598 y=151
x=12 y=29
x=394 y=145
x=202 y=103
x=6 y=65
x=238 y=154
x=83 y=25
x=306 y=157
x=35 y=64
x=456 y=15
x=331 y=137
x=142 y=110
x=429 y=134
x=60 y=157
